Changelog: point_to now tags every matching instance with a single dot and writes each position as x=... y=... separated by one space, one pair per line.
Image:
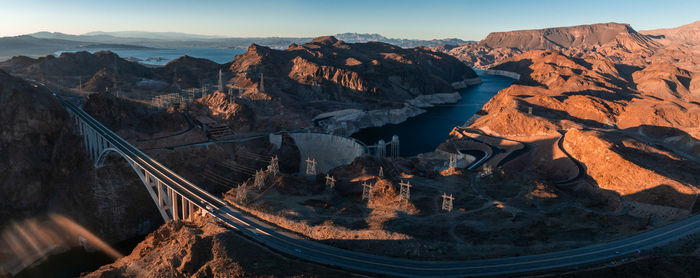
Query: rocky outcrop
x=388 y=83
x=32 y=124
x=634 y=129
x=189 y=72
x=581 y=36
x=44 y=169
x=624 y=172
x=616 y=42
x=680 y=46
x=122 y=114
x=105 y=71
x=204 y=249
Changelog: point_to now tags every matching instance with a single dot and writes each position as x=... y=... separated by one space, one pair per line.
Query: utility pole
x=310 y=166
x=330 y=181
x=262 y=84
x=366 y=190
x=221 y=81
x=405 y=190
x=447 y=202
x=274 y=166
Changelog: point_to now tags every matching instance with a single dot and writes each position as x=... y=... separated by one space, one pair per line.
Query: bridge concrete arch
x=161 y=194
x=99 y=162
x=168 y=189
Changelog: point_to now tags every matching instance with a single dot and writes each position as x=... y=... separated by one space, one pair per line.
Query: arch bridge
x=178 y=198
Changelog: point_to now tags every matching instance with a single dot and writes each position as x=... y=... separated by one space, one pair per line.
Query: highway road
x=366 y=263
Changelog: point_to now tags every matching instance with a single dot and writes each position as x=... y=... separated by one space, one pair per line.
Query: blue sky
x=425 y=19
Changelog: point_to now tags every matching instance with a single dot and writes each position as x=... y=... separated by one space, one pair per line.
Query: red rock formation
x=330 y=70
x=204 y=249
x=616 y=42
x=640 y=117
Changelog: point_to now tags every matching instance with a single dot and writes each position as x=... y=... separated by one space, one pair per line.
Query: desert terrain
x=596 y=140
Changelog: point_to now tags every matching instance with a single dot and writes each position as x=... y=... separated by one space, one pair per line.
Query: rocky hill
x=405 y=43
x=45 y=170
x=686 y=34
x=204 y=249
x=620 y=121
x=680 y=46
x=32 y=123
x=329 y=75
x=616 y=42
x=105 y=71
x=189 y=72
x=582 y=36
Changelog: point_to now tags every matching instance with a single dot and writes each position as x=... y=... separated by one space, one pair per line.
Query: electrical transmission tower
x=241 y=193
x=405 y=190
x=486 y=170
x=259 y=179
x=381 y=171
x=310 y=166
x=366 y=190
x=262 y=83
x=330 y=181
x=447 y=202
x=274 y=167
x=453 y=161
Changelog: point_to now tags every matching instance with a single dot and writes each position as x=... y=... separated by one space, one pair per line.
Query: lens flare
x=32 y=240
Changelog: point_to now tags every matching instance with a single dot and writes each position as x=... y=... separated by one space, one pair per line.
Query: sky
x=425 y=19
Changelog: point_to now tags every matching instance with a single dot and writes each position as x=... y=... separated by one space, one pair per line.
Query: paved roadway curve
x=319 y=253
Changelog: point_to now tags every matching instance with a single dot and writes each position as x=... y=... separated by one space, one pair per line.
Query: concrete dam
x=329 y=151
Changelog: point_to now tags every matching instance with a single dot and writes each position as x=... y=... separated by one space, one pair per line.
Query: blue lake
x=161 y=56
x=423 y=133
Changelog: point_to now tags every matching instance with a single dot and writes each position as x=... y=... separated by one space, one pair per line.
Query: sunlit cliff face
x=23 y=243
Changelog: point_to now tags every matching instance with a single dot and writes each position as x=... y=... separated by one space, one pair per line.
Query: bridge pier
x=97 y=145
x=173 y=204
x=183 y=203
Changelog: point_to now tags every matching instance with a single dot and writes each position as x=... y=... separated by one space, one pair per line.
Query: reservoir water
x=423 y=133
x=419 y=134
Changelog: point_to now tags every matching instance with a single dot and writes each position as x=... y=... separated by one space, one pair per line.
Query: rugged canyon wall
x=295 y=85
x=32 y=123
x=44 y=170
x=634 y=129
x=204 y=249
x=616 y=42
x=269 y=89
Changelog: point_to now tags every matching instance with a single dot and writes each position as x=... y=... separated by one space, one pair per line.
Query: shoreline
x=349 y=121
x=509 y=74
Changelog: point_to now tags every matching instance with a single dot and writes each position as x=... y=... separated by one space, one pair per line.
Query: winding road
x=366 y=263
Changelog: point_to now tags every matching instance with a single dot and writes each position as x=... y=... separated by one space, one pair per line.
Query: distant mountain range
x=44 y=43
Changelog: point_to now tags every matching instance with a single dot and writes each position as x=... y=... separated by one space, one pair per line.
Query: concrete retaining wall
x=330 y=151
